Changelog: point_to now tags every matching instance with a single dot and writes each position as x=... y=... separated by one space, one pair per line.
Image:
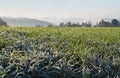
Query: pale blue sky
x=60 y=8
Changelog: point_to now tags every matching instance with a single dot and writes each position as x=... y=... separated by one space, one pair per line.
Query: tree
x=76 y=24
x=103 y=23
x=62 y=24
x=69 y=24
x=3 y=23
x=87 y=24
x=115 y=22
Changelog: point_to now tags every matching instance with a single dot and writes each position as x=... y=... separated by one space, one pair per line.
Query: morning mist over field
x=57 y=11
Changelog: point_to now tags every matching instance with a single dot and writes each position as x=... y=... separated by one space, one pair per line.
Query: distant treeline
x=102 y=23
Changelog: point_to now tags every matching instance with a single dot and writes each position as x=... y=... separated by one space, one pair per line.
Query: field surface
x=59 y=52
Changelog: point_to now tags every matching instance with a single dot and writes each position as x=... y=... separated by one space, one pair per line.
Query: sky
x=60 y=8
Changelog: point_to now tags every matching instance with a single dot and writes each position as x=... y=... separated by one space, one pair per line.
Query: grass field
x=59 y=52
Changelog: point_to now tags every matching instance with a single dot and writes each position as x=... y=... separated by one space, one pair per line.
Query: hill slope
x=25 y=22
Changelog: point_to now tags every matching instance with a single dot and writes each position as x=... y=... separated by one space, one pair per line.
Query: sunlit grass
x=92 y=52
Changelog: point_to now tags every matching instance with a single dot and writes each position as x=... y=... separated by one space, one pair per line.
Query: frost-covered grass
x=59 y=52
